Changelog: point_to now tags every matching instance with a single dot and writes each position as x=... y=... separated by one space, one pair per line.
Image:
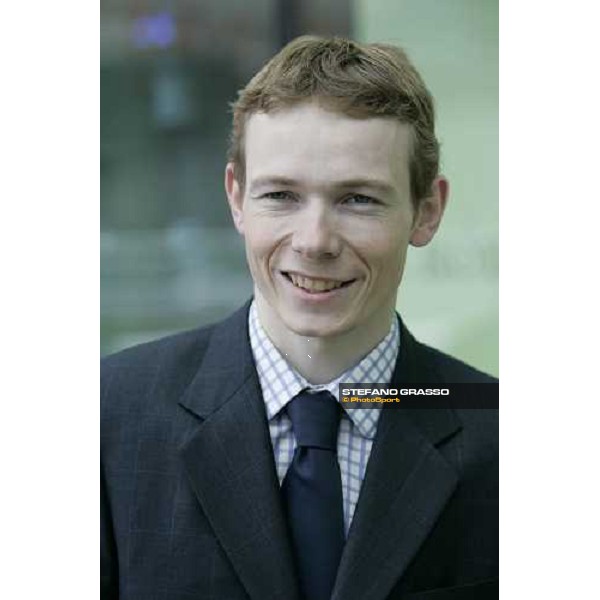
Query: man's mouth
x=315 y=285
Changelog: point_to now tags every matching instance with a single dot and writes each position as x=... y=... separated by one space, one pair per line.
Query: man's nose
x=315 y=233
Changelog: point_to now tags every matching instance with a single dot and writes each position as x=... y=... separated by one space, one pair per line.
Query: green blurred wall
x=449 y=296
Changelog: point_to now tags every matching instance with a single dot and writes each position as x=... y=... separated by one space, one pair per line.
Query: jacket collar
x=230 y=464
x=407 y=484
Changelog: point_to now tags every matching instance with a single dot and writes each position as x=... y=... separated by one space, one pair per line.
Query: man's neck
x=321 y=359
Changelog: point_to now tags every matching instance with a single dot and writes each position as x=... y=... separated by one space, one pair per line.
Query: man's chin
x=315 y=326
x=281 y=320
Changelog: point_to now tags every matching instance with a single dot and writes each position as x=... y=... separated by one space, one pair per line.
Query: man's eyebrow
x=368 y=183
x=374 y=184
x=267 y=180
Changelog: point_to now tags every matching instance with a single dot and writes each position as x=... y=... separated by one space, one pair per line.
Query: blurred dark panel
x=318 y=17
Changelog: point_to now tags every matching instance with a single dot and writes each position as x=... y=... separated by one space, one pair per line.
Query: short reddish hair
x=359 y=80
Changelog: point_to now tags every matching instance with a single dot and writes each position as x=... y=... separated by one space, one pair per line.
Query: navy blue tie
x=312 y=493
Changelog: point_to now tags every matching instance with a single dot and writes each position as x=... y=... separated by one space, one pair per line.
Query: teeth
x=313 y=285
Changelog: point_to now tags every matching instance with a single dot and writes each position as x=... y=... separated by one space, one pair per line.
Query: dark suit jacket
x=190 y=497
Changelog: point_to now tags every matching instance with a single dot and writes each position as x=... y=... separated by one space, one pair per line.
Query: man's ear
x=429 y=214
x=235 y=197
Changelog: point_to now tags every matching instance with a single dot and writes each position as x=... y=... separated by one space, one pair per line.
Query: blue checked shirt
x=280 y=383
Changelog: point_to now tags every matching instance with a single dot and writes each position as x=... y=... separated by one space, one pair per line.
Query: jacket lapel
x=229 y=460
x=407 y=484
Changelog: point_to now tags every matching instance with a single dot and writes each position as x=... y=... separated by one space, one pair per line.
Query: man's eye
x=278 y=196
x=361 y=199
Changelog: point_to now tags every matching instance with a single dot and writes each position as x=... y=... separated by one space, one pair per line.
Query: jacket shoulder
x=479 y=426
x=452 y=370
x=130 y=376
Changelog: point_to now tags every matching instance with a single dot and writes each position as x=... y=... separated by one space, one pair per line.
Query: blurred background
x=170 y=257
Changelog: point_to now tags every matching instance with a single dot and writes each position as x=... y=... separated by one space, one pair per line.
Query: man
x=215 y=481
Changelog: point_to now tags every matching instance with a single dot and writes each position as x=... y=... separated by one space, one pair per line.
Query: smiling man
x=230 y=469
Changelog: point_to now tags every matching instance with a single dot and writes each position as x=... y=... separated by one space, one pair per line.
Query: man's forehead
x=290 y=141
x=313 y=117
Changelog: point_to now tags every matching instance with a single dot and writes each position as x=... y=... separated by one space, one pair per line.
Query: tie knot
x=315 y=419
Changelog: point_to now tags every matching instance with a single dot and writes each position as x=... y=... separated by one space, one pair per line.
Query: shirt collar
x=280 y=382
